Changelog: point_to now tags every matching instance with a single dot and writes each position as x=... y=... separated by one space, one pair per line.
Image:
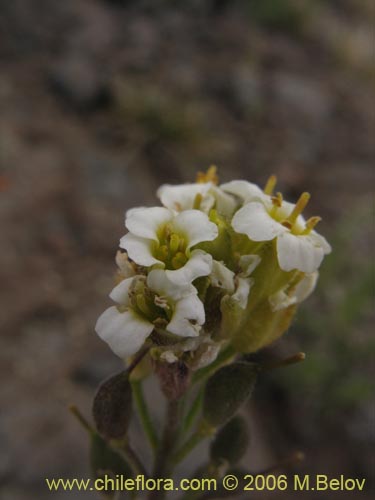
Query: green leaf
x=227 y=390
x=231 y=442
x=112 y=407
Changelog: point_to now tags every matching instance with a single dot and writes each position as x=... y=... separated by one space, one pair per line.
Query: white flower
x=157 y=236
x=237 y=287
x=298 y=245
x=144 y=302
x=202 y=196
x=285 y=298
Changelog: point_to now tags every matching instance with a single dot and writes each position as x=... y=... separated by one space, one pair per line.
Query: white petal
x=281 y=299
x=125 y=332
x=242 y=293
x=188 y=317
x=298 y=252
x=306 y=286
x=320 y=241
x=158 y=281
x=247 y=191
x=181 y=197
x=144 y=222
x=248 y=263
x=208 y=202
x=225 y=203
x=254 y=221
x=120 y=293
x=139 y=250
x=195 y=226
x=222 y=277
x=199 y=264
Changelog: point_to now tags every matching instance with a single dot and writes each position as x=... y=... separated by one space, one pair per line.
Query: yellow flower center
x=171 y=248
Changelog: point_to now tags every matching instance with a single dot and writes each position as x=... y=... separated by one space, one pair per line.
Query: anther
x=299 y=207
x=270 y=185
x=197 y=201
x=209 y=176
x=174 y=243
x=311 y=223
x=277 y=200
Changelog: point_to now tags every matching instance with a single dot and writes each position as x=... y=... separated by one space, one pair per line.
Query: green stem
x=201 y=433
x=162 y=462
x=81 y=419
x=144 y=414
x=127 y=452
x=192 y=413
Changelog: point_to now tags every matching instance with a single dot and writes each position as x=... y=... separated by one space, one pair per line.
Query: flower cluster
x=216 y=264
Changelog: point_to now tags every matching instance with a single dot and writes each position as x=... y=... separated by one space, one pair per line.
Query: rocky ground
x=101 y=102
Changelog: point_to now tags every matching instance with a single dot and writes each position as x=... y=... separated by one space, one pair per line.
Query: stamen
x=167 y=231
x=209 y=176
x=174 y=243
x=311 y=223
x=179 y=260
x=142 y=305
x=277 y=200
x=197 y=201
x=270 y=185
x=299 y=208
x=162 y=253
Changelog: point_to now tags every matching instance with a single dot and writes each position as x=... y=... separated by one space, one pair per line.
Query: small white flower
x=285 y=298
x=157 y=236
x=236 y=286
x=202 y=196
x=298 y=245
x=126 y=327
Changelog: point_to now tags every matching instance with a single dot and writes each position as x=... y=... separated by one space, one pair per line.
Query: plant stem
x=144 y=414
x=192 y=413
x=137 y=359
x=81 y=419
x=162 y=462
x=130 y=456
x=201 y=433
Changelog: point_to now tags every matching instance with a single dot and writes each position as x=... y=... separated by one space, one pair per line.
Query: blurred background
x=101 y=102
